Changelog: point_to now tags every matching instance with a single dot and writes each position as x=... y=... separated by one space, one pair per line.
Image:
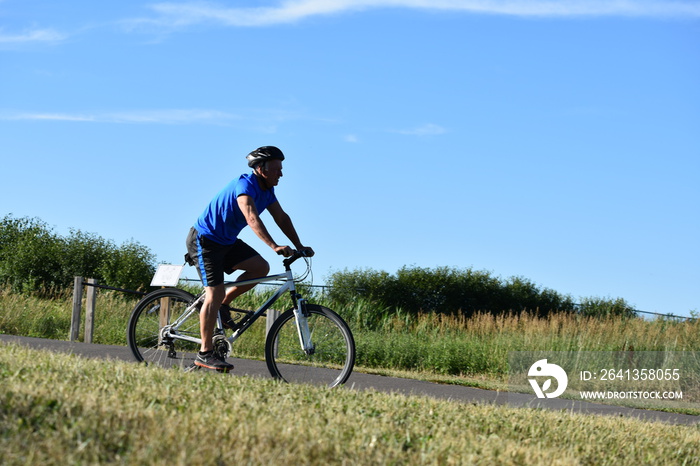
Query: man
x=214 y=248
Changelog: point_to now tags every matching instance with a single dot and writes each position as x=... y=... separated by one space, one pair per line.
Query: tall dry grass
x=480 y=344
x=440 y=344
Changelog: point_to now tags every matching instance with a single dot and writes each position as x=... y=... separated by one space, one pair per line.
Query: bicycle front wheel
x=331 y=360
x=151 y=335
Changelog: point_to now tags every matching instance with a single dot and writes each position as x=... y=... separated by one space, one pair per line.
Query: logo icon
x=543 y=369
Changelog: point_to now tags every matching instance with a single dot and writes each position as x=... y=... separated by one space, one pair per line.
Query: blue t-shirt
x=223 y=220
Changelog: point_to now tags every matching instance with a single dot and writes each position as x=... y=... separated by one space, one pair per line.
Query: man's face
x=272 y=172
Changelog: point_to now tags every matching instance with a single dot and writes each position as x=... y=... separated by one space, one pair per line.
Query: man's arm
x=283 y=221
x=250 y=212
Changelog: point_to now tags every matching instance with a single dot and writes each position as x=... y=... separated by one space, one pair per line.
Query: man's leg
x=208 y=314
x=255 y=267
x=207 y=256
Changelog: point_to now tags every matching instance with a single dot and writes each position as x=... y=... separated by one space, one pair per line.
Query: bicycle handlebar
x=291 y=259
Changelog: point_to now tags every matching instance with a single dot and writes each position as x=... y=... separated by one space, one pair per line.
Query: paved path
x=359 y=381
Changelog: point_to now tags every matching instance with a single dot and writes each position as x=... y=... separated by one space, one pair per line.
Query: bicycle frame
x=300 y=313
x=287 y=286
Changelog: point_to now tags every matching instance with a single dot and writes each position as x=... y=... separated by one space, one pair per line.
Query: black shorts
x=212 y=259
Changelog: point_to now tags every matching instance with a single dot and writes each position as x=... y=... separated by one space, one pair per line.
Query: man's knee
x=259 y=266
x=215 y=294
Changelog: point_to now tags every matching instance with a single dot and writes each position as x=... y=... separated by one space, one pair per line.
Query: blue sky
x=554 y=140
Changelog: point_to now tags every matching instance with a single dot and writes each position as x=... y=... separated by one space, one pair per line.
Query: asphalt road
x=359 y=381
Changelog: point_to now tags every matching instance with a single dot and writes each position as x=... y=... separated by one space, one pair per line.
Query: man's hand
x=285 y=251
x=306 y=251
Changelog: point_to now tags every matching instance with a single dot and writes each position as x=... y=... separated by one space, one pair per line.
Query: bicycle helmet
x=263 y=154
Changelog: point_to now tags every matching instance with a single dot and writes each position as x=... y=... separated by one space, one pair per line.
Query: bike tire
x=333 y=359
x=156 y=310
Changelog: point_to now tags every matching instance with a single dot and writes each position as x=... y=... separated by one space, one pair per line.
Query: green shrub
x=599 y=307
x=130 y=266
x=34 y=258
x=444 y=290
x=28 y=254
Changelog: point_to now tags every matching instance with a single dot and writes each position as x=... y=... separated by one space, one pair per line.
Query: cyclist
x=214 y=248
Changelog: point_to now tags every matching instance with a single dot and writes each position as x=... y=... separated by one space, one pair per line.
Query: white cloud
x=174 y=116
x=262 y=119
x=34 y=35
x=425 y=130
x=49 y=117
x=177 y=15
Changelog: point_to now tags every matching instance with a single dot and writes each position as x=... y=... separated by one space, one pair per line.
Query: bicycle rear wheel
x=332 y=359
x=152 y=316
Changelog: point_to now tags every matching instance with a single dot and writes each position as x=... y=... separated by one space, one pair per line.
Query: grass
x=473 y=350
x=441 y=348
x=480 y=345
x=61 y=409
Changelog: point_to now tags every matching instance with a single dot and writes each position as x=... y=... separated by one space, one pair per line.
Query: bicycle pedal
x=195 y=368
x=220 y=371
x=192 y=368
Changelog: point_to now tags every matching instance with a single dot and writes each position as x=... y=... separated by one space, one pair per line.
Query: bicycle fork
x=301 y=315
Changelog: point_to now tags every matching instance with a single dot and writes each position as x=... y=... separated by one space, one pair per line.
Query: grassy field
x=462 y=350
x=61 y=409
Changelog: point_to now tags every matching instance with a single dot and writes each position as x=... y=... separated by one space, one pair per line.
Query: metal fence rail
x=79 y=284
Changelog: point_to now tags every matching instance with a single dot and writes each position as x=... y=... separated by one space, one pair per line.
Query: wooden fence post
x=272 y=316
x=77 y=303
x=163 y=316
x=90 y=309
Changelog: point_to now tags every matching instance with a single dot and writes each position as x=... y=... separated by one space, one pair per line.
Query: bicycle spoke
x=332 y=356
x=157 y=311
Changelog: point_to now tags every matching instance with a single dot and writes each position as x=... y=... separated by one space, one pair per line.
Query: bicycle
x=308 y=343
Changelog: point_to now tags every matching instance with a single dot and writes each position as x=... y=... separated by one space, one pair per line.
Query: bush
x=28 y=254
x=599 y=307
x=444 y=290
x=34 y=258
x=456 y=291
x=130 y=266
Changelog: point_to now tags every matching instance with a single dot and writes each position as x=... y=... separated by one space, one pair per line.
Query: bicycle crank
x=222 y=347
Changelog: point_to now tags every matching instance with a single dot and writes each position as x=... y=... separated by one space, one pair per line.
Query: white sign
x=167 y=275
